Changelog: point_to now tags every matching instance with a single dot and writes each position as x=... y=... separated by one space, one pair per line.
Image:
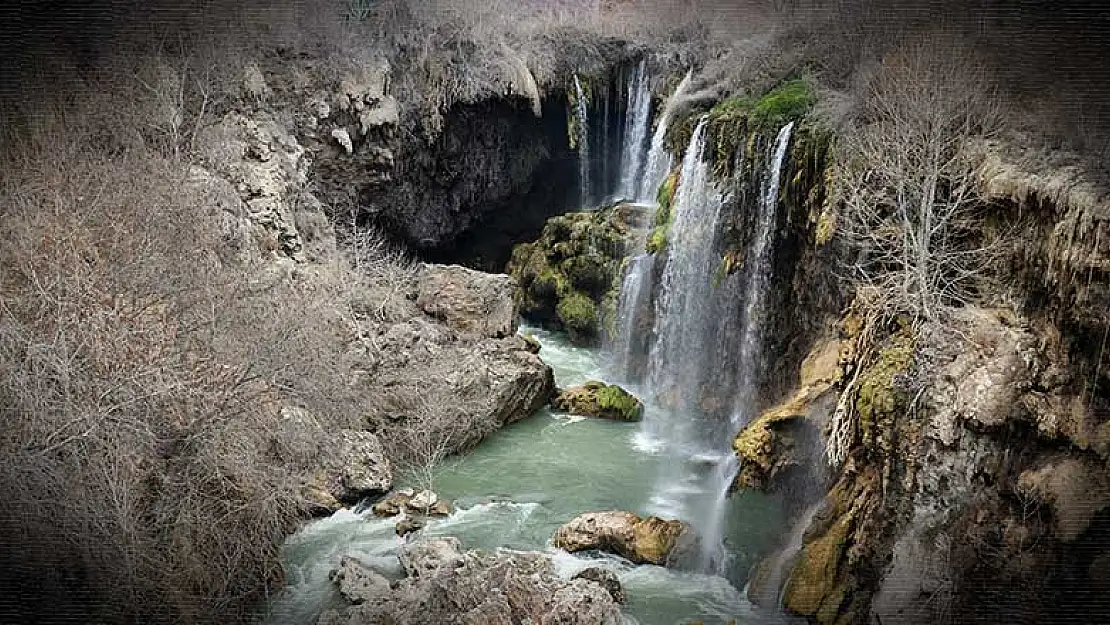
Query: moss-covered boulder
x=570 y=277
x=597 y=399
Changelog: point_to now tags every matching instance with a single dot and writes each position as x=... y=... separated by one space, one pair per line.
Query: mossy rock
x=597 y=399
x=814 y=589
x=579 y=316
x=567 y=277
x=879 y=400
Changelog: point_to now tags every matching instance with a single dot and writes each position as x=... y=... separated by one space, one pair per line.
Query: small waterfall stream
x=757 y=282
x=658 y=158
x=635 y=135
x=583 y=138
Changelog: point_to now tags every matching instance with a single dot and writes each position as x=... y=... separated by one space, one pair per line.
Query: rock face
x=648 y=540
x=597 y=399
x=778 y=440
x=570 y=276
x=355 y=466
x=447 y=585
x=986 y=480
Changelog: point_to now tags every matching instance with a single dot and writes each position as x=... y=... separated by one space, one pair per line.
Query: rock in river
x=648 y=540
x=597 y=399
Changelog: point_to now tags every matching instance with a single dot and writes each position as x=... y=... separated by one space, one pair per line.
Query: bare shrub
x=142 y=381
x=910 y=208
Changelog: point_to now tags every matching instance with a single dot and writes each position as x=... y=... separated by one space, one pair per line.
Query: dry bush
x=146 y=457
x=910 y=208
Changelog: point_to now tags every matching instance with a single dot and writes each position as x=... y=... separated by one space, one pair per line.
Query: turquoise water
x=519 y=485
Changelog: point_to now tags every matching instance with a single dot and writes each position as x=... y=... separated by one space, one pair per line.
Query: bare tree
x=909 y=204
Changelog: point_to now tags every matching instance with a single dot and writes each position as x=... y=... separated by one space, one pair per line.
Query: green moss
x=617 y=400
x=657 y=240
x=790 y=100
x=598 y=399
x=578 y=313
x=826 y=226
x=878 y=401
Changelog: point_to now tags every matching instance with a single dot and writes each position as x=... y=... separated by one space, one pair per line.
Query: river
x=521 y=484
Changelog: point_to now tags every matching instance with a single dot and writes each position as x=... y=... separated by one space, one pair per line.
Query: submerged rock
x=606 y=579
x=409 y=525
x=597 y=399
x=359 y=583
x=448 y=585
x=393 y=504
x=648 y=540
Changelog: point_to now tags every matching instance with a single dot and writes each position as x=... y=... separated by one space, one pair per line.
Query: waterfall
x=635 y=133
x=682 y=314
x=635 y=293
x=683 y=319
x=757 y=283
x=659 y=159
x=582 y=115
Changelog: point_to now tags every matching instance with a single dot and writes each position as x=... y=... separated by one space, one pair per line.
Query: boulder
x=606 y=579
x=648 y=540
x=409 y=525
x=447 y=585
x=597 y=399
x=426 y=556
x=422 y=502
x=361 y=468
x=357 y=582
x=393 y=504
x=473 y=303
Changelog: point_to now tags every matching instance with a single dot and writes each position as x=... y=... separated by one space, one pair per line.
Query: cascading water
x=681 y=313
x=635 y=293
x=583 y=139
x=659 y=159
x=756 y=287
x=635 y=135
x=682 y=323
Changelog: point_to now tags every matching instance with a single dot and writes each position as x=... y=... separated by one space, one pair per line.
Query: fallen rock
x=597 y=399
x=447 y=585
x=422 y=502
x=409 y=525
x=440 y=508
x=426 y=556
x=606 y=578
x=359 y=583
x=473 y=303
x=393 y=504
x=362 y=468
x=648 y=540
